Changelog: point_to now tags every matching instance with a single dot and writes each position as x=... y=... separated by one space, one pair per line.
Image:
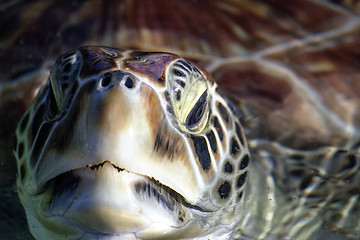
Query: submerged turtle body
x=290 y=68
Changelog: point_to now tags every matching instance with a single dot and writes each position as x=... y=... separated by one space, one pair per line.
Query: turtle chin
x=107 y=200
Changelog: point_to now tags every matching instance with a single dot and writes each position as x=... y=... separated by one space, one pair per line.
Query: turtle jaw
x=105 y=199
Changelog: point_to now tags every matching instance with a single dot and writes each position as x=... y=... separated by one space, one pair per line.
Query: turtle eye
x=197 y=112
x=63 y=78
x=187 y=94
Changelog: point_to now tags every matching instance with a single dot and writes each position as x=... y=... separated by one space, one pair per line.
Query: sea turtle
x=287 y=71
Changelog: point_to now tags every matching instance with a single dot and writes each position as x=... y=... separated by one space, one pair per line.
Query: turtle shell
x=293 y=67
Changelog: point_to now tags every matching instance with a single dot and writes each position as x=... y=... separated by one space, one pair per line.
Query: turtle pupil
x=197 y=112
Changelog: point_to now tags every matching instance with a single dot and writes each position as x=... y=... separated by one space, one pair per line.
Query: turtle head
x=130 y=144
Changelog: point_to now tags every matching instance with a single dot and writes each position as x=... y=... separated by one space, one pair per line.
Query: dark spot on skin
x=150 y=191
x=22 y=172
x=228 y=168
x=178 y=73
x=296 y=157
x=240 y=134
x=167 y=96
x=212 y=140
x=169 y=109
x=183 y=68
x=186 y=64
x=39 y=142
x=20 y=150
x=165 y=143
x=235 y=148
x=202 y=152
x=52 y=108
x=336 y=217
x=240 y=195
x=306 y=182
x=223 y=112
x=340 y=153
x=297 y=173
x=224 y=190
x=161 y=79
x=218 y=128
x=177 y=94
x=74 y=89
x=196 y=70
x=219 y=92
x=233 y=108
x=38 y=120
x=350 y=162
x=181 y=83
x=24 y=122
x=67 y=68
x=158 y=142
x=241 y=180
x=244 y=162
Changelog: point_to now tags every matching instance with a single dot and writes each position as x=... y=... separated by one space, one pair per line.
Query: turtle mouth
x=65 y=188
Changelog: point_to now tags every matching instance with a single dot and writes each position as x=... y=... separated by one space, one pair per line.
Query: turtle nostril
x=105 y=80
x=129 y=83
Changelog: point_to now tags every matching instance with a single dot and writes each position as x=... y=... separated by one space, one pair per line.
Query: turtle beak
x=105 y=196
